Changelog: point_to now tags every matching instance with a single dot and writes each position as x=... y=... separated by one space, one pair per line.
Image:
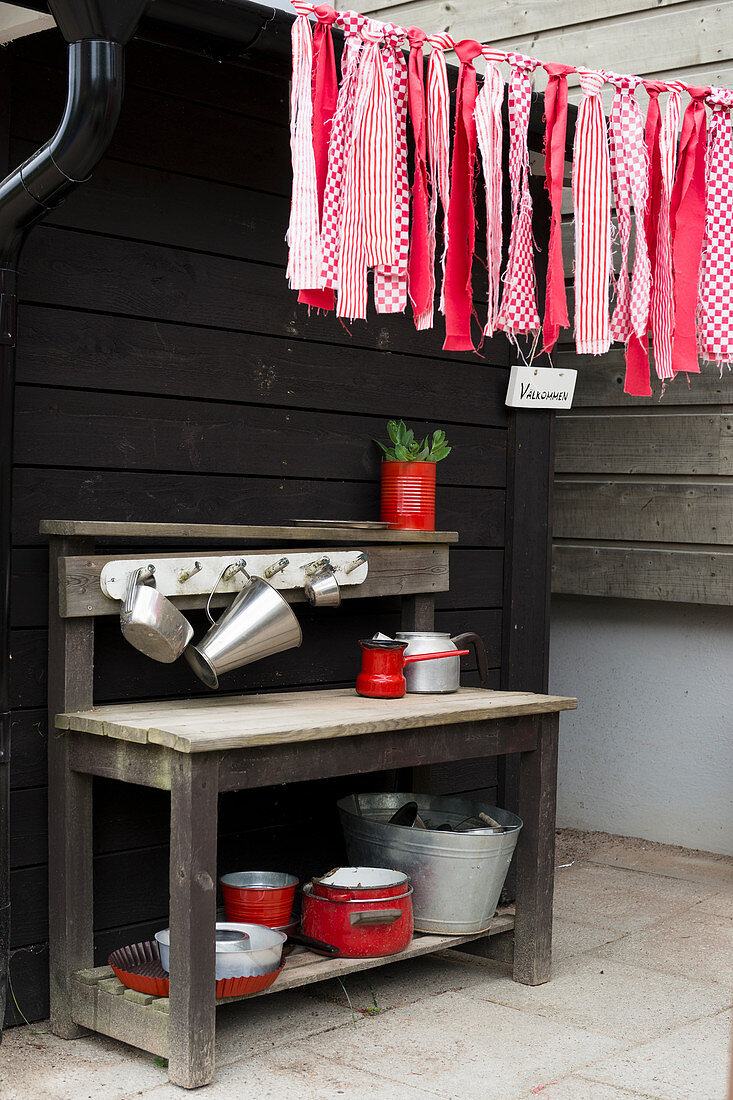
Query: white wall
x=649 y=752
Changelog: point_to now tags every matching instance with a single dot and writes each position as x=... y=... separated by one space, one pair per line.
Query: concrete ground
x=639 y=1006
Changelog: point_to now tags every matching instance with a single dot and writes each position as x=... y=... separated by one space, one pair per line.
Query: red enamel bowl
x=259 y=897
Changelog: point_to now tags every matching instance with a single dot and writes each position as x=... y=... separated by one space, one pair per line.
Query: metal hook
x=352 y=565
x=314 y=566
x=186 y=574
x=276 y=567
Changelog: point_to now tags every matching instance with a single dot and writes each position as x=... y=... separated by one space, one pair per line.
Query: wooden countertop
x=244 y=721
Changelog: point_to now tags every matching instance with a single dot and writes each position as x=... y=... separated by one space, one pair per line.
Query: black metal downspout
x=96 y=31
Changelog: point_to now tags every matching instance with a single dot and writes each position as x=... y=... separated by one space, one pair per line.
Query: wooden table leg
x=70 y=887
x=536 y=856
x=194 y=794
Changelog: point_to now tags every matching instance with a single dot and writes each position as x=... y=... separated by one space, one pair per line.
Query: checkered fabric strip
x=661 y=309
x=340 y=148
x=715 y=311
x=592 y=206
x=518 y=313
x=390 y=282
x=489 y=132
x=629 y=162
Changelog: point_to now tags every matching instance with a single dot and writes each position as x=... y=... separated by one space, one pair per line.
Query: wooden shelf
x=101 y=529
x=101 y=1002
x=220 y=722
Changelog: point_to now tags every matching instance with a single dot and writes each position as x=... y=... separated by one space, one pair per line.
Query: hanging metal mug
x=150 y=622
x=258 y=623
x=321 y=587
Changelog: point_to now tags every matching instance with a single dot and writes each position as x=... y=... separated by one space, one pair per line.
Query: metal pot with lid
x=443 y=676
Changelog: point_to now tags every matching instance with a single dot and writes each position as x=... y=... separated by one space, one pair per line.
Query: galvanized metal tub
x=456 y=877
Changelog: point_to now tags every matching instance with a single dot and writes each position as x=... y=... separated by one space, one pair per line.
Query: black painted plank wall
x=165 y=372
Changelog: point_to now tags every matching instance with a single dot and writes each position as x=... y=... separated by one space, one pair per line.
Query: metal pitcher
x=439 y=677
x=258 y=623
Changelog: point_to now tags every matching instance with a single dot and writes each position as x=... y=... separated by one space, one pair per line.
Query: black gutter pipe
x=97 y=31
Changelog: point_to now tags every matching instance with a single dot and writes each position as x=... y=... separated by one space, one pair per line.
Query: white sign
x=541 y=388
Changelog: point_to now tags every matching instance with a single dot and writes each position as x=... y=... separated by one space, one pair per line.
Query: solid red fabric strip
x=556 y=120
x=461 y=225
x=325 y=95
x=420 y=273
x=687 y=217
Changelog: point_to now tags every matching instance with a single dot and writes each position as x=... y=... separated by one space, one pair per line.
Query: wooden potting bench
x=197 y=747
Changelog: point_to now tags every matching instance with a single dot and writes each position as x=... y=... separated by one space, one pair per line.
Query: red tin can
x=408 y=495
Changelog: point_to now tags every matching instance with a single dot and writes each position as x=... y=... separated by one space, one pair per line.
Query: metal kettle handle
x=136 y=577
x=233 y=568
x=479 y=648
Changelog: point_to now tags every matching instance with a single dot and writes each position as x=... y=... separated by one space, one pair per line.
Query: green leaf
x=409 y=438
x=439 y=453
x=392 y=431
x=438 y=438
x=401 y=453
x=380 y=444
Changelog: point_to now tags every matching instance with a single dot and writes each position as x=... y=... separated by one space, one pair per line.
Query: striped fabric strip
x=592 y=207
x=518 y=314
x=438 y=120
x=661 y=312
x=715 y=314
x=368 y=214
x=303 y=236
x=390 y=280
x=489 y=131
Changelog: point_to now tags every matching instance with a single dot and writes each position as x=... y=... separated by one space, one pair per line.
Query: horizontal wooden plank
x=119 y=1017
x=676 y=443
x=86 y=272
x=642 y=573
x=239 y=722
x=398 y=570
x=491 y=20
x=111 y=495
x=649 y=41
x=601 y=383
x=167 y=359
x=118 y=431
x=646 y=511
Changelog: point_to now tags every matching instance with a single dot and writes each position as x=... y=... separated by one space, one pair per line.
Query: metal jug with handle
x=258 y=623
x=444 y=676
x=150 y=622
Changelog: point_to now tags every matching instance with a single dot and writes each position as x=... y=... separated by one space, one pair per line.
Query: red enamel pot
x=259 y=897
x=382 y=663
x=361 y=929
x=360 y=883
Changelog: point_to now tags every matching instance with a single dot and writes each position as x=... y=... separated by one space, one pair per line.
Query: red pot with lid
x=382 y=662
x=360 y=883
x=362 y=927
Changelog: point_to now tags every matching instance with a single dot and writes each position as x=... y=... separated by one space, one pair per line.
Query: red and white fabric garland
x=518 y=314
x=358 y=207
x=715 y=322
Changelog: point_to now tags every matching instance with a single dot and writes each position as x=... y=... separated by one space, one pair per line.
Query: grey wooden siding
x=643 y=503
